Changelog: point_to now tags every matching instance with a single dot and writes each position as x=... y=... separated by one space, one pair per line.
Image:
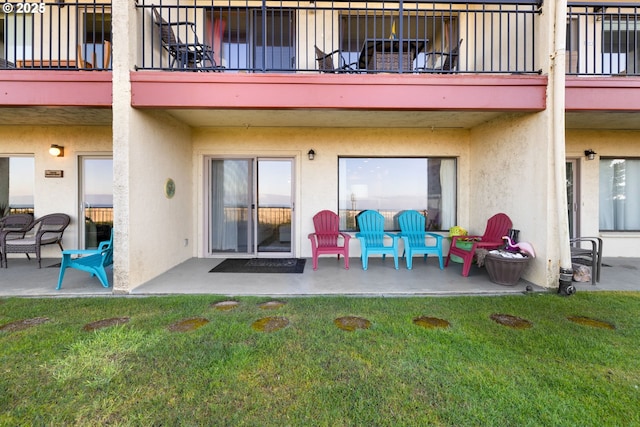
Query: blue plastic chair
x=371 y=237
x=412 y=226
x=94 y=261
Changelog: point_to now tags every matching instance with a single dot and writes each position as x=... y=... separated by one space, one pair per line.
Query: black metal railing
x=340 y=36
x=59 y=36
x=603 y=39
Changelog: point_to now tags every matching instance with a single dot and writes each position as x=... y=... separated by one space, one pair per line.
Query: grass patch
x=473 y=372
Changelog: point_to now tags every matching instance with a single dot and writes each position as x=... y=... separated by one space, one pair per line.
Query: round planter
x=505 y=271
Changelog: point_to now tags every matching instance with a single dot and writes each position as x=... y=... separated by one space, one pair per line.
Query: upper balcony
x=281 y=36
x=363 y=37
x=46 y=53
x=424 y=55
x=66 y=35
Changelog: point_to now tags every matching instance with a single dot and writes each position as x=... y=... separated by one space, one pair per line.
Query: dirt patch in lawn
x=225 y=305
x=587 y=321
x=271 y=305
x=511 y=321
x=351 y=323
x=19 y=325
x=105 y=323
x=270 y=324
x=431 y=322
x=187 y=325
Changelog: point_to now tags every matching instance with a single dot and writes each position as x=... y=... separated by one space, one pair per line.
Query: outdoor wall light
x=56 y=150
x=311 y=154
x=590 y=154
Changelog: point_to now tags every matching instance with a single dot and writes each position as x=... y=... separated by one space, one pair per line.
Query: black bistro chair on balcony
x=448 y=61
x=325 y=63
x=190 y=54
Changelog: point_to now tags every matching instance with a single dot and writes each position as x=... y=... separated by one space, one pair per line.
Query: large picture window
x=620 y=194
x=392 y=185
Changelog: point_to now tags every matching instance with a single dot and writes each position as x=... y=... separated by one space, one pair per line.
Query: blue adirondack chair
x=412 y=226
x=93 y=261
x=371 y=237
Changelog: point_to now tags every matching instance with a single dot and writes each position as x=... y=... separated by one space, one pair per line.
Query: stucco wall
x=606 y=144
x=159 y=228
x=511 y=172
x=317 y=180
x=53 y=195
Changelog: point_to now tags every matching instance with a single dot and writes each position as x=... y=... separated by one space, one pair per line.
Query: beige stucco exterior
x=508 y=163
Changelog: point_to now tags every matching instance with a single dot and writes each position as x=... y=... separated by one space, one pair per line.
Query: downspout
x=558 y=76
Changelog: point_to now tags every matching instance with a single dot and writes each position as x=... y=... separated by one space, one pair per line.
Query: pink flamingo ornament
x=520 y=246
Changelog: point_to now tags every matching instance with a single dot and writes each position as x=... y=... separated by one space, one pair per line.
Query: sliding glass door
x=230 y=228
x=275 y=206
x=250 y=204
x=96 y=195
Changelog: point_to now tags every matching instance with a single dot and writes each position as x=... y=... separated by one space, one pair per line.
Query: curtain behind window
x=619 y=195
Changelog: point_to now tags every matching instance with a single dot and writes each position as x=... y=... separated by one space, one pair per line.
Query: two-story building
x=219 y=128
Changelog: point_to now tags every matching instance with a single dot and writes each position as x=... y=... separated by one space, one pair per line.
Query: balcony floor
x=23 y=278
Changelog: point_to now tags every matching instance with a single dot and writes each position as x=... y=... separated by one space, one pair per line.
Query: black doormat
x=260 y=265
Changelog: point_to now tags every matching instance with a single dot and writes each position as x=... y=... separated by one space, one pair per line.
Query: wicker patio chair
x=47 y=230
x=13 y=227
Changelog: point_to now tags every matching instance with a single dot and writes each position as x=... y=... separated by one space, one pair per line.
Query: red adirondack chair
x=497 y=226
x=326 y=238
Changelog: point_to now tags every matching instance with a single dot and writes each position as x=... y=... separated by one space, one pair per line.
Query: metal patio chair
x=591 y=255
x=190 y=54
x=449 y=61
x=325 y=62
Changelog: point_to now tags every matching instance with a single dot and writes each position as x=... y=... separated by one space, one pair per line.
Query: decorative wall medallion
x=169 y=188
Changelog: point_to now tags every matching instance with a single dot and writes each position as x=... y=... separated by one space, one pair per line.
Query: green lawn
x=475 y=372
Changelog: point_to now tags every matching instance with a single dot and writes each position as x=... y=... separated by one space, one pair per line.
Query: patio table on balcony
x=384 y=54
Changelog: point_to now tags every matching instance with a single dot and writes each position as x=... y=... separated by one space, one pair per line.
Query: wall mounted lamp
x=590 y=154
x=56 y=150
x=311 y=154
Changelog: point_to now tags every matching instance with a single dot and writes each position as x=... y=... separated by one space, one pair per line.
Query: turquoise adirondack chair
x=371 y=237
x=412 y=226
x=93 y=261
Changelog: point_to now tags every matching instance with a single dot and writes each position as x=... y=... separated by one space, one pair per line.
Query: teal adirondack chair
x=93 y=261
x=371 y=237
x=412 y=226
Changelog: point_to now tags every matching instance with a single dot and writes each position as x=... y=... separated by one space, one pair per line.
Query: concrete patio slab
x=23 y=278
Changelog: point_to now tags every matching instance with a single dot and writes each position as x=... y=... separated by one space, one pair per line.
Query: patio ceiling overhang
x=44 y=97
x=611 y=103
x=336 y=100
